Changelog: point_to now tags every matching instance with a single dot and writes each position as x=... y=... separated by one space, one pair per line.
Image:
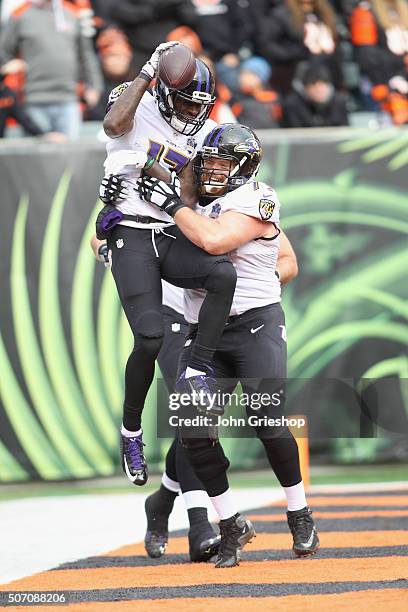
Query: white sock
x=295 y=496
x=195 y=499
x=170 y=484
x=129 y=434
x=190 y=372
x=224 y=505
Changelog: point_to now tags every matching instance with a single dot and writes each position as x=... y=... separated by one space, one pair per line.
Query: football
x=177 y=67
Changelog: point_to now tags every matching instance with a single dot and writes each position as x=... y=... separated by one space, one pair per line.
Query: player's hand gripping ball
x=151 y=66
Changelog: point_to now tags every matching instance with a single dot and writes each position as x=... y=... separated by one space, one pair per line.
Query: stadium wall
x=64 y=340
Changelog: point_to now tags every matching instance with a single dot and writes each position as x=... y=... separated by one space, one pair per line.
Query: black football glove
x=165 y=196
x=112 y=189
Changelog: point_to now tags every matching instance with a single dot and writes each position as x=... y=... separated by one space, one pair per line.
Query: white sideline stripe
x=40 y=533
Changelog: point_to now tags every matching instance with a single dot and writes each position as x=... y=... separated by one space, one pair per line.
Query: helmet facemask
x=216 y=179
x=172 y=101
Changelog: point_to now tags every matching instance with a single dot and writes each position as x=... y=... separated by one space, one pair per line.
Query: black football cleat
x=236 y=532
x=157 y=534
x=133 y=460
x=203 y=542
x=305 y=538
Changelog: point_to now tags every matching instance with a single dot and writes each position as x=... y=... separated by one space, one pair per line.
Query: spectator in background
x=48 y=37
x=254 y=103
x=10 y=107
x=379 y=33
x=146 y=24
x=226 y=29
x=188 y=37
x=314 y=102
x=294 y=31
x=115 y=57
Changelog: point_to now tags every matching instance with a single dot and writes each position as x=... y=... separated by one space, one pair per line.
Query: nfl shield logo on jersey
x=266 y=208
x=120 y=243
x=215 y=211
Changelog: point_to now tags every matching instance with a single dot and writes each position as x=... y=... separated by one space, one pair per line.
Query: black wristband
x=277 y=275
x=145 y=76
x=173 y=206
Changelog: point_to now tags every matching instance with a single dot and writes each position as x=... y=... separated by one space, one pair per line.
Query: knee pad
x=148 y=332
x=223 y=277
x=147 y=348
x=147 y=324
x=150 y=324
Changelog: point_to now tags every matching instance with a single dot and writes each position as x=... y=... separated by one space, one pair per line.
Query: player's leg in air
x=137 y=271
x=203 y=541
x=144 y=244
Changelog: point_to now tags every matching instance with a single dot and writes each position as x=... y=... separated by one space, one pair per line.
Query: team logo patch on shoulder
x=115 y=93
x=266 y=208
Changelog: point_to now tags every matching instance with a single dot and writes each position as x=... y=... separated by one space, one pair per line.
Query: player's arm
x=216 y=236
x=287 y=266
x=119 y=119
x=189 y=192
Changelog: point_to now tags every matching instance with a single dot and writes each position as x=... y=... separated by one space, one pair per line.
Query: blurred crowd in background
x=278 y=63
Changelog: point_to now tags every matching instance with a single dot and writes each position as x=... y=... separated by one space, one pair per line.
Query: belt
x=250 y=312
x=143 y=219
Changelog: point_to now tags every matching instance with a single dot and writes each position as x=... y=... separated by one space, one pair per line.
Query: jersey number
x=172 y=158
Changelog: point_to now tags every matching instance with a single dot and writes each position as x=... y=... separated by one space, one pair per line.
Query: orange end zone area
x=266 y=541
x=328 y=583
x=276 y=518
x=355 y=500
x=376 y=601
x=256 y=572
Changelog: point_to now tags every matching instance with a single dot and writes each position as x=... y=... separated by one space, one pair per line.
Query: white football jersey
x=151 y=134
x=255 y=261
x=173 y=297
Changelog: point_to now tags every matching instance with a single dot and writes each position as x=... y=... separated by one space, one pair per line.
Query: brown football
x=177 y=67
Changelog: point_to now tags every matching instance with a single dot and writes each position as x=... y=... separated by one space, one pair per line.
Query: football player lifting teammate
x=240 y=215
x=158 y=133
